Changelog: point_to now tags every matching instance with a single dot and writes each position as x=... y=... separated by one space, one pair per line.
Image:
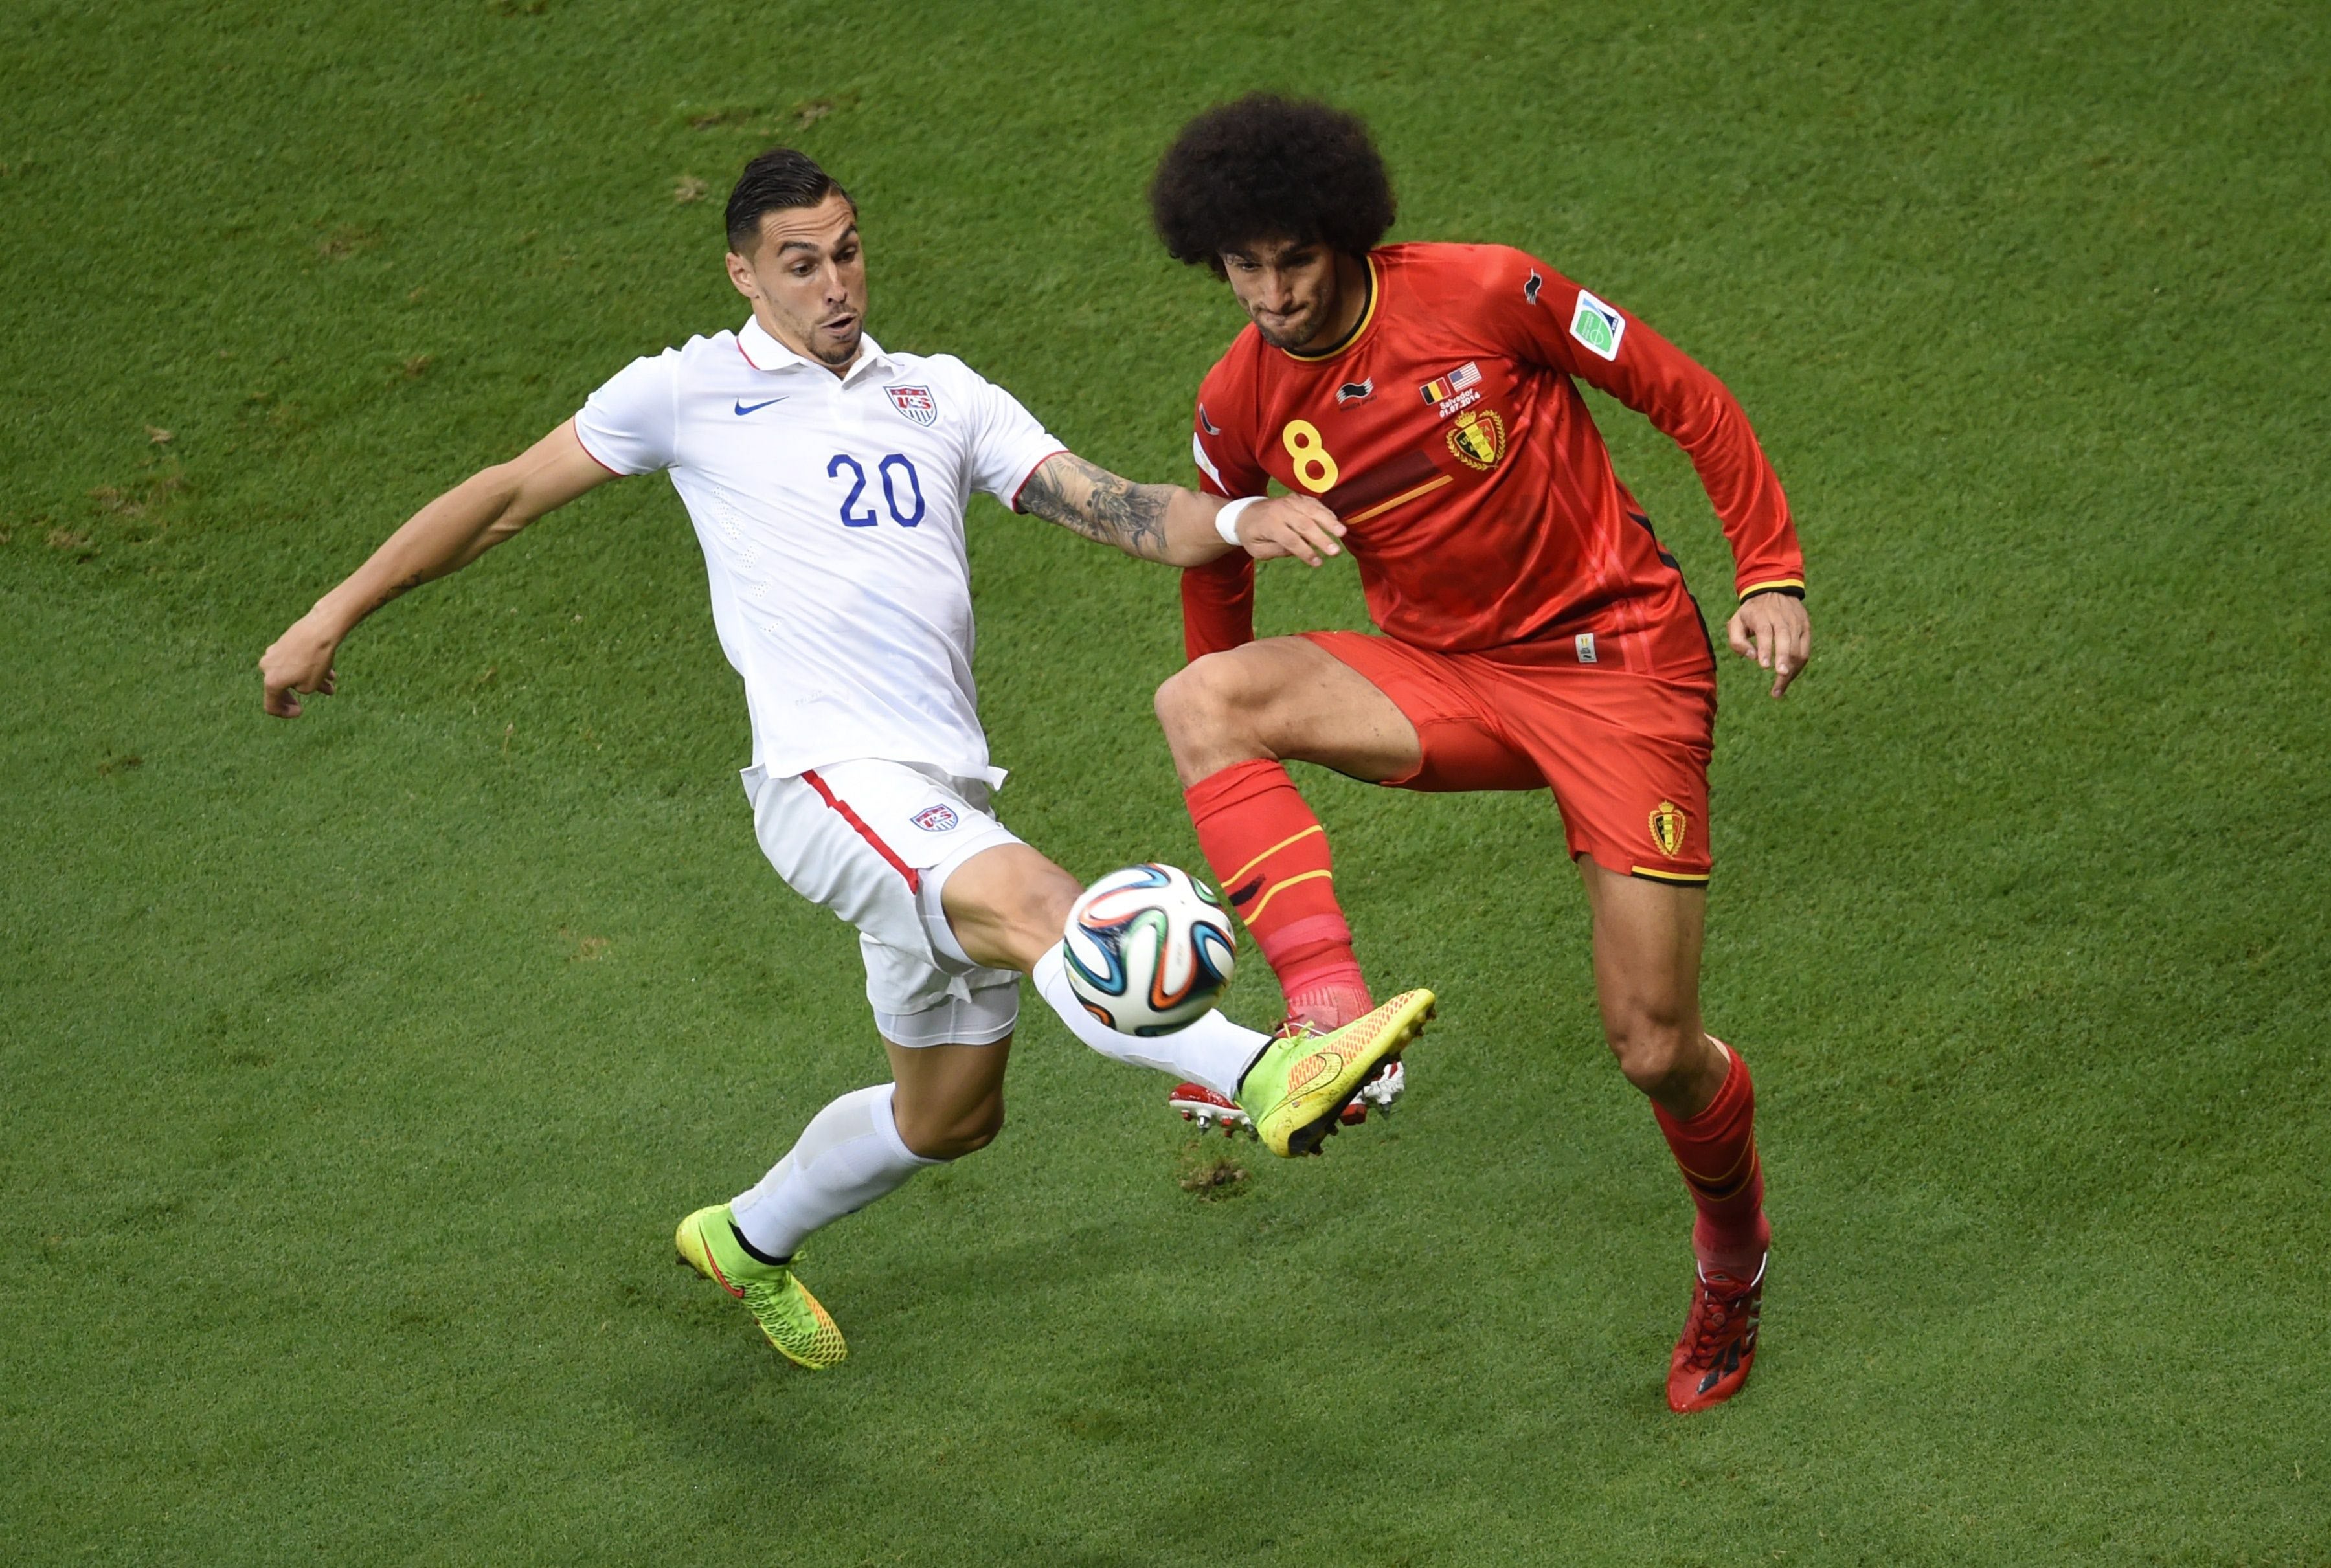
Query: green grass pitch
x=352 y=1072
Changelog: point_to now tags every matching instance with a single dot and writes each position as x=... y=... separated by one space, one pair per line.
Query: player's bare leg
x=1647 y=946
x=1231 y=718
x=1647 y=949
x=950 y=1099
x=1283 y=699
x=1007 y=906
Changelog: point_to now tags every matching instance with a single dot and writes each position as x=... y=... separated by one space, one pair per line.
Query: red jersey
x=1449 y=434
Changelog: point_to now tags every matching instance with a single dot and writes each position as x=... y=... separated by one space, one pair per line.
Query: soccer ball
x=1148 y=949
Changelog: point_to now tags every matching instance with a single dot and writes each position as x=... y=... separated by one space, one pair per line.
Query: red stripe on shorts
x=914 y=878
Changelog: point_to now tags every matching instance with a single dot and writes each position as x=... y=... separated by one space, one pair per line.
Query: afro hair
x=1267 y=167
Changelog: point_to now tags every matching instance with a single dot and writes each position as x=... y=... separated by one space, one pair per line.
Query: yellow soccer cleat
x=1296 y=1092
x=789 y=1316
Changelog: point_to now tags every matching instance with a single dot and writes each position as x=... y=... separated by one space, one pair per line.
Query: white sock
x=850 y=1155
x=1212 y=1051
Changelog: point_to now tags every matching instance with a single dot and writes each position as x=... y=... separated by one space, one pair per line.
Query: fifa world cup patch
x=1597 y=326
x=938 y=819
x=1478 y=440
x=916 y=403
x=1668 y=825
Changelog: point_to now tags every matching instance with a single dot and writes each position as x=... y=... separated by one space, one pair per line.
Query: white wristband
x=1226 y=521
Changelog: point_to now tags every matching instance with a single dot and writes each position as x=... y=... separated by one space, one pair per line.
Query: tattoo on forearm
x=398 y=590
x=1100 y=506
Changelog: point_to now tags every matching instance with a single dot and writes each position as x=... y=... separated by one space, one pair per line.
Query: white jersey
x=830 y=513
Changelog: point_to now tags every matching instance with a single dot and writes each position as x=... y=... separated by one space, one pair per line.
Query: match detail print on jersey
x=1442 y=388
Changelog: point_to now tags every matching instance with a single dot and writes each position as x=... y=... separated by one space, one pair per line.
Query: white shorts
x=875 y=842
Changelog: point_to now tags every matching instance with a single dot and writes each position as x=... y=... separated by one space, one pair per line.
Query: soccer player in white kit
x=826 y=479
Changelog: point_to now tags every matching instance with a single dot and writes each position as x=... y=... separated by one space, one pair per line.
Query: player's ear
x=741 y=273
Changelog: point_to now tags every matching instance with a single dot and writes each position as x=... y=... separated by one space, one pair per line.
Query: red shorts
x=1626 y=755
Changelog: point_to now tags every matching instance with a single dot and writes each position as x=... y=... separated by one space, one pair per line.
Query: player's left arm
x=1170 y=524
x=1569 y=329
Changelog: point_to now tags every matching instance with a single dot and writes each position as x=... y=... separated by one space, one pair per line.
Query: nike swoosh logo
x=742 y=410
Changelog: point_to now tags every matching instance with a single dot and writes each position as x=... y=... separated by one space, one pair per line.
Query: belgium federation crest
x=1668 y=825
x=1479 y=438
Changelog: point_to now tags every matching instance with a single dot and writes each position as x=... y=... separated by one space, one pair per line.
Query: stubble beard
x=1306 y=325
x=841 y=354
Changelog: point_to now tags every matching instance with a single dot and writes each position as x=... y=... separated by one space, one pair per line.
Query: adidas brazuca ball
x=1150 y=949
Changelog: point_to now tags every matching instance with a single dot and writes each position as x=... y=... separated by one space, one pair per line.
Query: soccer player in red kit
x=1535 y=633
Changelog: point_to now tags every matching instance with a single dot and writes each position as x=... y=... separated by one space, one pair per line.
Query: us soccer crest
x=1668 y=825
x=938 y=819
x=916 y=403
x=1478 y=440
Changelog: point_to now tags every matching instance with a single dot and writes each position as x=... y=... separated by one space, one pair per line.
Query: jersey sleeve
x=1007 y=442
x=1550 y=320
x=1218 y=598
x=629 y=424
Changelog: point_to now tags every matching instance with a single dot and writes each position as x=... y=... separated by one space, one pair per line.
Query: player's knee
x=1006 y=909
x=1204 y=701
x=1032 y=921
x=952 y=1134
x=1653 y=1048
x=1043 y=908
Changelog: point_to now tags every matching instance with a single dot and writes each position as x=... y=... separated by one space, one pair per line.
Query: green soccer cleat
x=789 y=1316
x=1295 y=1093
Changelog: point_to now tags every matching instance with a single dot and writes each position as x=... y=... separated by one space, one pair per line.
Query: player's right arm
x=443 y=536
x=1218 y=598
x=1016 y=459
x=1167 y=523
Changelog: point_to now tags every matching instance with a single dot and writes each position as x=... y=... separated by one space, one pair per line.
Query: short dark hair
x=780 y=177
x=1269 y=168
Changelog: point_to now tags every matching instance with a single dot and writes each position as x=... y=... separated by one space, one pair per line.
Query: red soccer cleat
x=1194 y=1102
x=1198 y=1104
x=1719 y=1347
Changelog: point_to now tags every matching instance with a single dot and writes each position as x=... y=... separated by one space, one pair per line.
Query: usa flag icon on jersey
x=938 y=819
x=916 y=403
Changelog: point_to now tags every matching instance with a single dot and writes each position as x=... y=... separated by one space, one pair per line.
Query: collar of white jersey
x=764 y=352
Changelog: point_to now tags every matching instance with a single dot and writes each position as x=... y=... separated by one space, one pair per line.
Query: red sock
x=1716 y=1151
x=1270 y=854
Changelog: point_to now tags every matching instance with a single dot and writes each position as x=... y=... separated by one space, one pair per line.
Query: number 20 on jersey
x=895 y=469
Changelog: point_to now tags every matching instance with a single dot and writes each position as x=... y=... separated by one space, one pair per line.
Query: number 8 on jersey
x=1313 y=466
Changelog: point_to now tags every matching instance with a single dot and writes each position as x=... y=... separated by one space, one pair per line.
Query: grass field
x=352 y=1072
